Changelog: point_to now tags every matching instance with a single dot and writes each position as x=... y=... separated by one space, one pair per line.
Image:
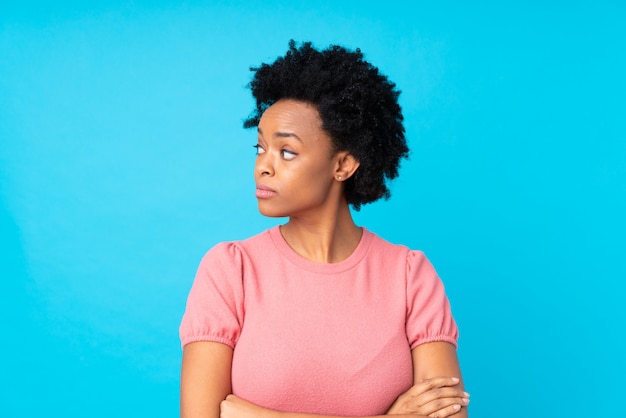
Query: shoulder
x=383 y=248
x=416 y=258
x=413 y=260
x=229 y=252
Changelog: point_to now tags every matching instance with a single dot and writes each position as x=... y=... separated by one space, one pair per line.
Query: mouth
x=264 y=192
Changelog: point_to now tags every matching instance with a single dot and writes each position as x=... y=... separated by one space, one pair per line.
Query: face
x=295 y=168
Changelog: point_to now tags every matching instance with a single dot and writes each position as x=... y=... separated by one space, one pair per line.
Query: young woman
x=320 y=317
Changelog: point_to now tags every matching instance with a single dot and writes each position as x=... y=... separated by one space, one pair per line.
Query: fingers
x=441 y=393
x=443 y=407
x=435 y=382
x=446 y=412
x=439 y=397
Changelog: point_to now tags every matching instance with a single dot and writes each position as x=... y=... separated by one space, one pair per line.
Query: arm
x=439 y=359
x=205 y=379
x=432 y=394
x=235 y=407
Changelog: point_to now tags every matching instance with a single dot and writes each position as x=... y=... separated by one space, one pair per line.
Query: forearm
x=298 y=415
x=205 y=379
x=436 y=396
x=236 y=407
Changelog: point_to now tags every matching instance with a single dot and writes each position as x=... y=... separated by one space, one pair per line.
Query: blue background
x=123 y=159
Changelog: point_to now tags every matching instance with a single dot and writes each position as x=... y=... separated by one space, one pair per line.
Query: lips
x=264 y=192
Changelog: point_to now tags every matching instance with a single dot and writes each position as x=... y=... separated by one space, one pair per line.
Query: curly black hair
x=358 y=107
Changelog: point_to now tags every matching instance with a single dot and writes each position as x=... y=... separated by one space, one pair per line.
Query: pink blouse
x=318 y=338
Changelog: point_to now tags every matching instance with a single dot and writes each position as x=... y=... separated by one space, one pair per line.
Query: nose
x=263 y=165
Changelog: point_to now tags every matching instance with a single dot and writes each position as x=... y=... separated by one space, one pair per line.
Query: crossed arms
x=437 y=392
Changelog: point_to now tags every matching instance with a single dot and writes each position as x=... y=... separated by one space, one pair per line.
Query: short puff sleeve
x=429 y=317
x=215 y=305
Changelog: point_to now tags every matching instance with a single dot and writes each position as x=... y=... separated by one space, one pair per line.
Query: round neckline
x=323 y=268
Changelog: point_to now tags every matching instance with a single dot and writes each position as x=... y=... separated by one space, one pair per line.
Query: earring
x=339 y=178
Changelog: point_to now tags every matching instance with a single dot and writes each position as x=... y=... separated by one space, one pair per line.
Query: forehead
x=295 y=116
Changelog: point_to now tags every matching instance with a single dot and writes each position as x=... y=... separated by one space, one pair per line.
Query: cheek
x=315 y=172
x=314 y=184
x=311 y=177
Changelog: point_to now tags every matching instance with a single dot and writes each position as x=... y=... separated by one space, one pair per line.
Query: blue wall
x=122 y=160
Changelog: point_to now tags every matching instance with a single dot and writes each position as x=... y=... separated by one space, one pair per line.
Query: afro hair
x=358 y=107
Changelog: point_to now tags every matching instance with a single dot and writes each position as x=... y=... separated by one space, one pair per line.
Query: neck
x=329 y=239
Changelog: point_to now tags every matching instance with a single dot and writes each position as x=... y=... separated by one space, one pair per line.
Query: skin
x=301 y=178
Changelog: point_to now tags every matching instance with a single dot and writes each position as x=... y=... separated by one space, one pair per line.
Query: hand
x=437 y=398
x=235 y=407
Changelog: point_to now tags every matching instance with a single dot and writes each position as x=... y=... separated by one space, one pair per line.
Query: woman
x=319 y=316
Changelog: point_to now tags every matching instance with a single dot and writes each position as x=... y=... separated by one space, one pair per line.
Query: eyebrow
x=283 y=134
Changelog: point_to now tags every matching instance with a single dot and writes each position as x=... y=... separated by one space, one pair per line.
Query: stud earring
x=338 y=177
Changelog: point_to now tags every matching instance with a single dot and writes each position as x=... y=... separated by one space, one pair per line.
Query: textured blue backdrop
x=122 y=160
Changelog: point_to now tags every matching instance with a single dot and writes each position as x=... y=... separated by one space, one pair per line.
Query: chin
x=272 y=213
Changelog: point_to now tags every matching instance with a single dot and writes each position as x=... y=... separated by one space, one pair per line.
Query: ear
x=345 y=165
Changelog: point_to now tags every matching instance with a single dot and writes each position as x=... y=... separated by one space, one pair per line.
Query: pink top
x=313 y=337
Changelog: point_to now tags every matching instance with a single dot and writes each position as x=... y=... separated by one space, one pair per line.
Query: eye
x=259 y=149
x=288 y=155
